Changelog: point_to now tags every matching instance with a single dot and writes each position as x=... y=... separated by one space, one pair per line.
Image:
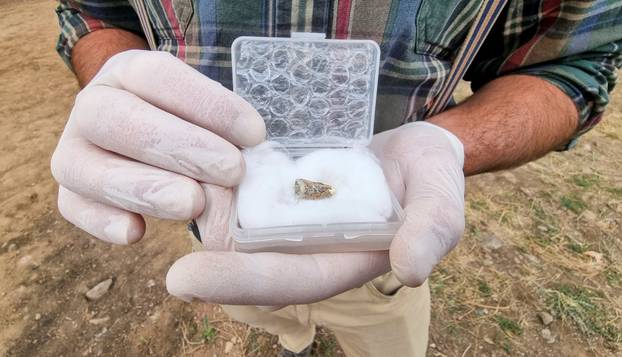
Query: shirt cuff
x=74 y=25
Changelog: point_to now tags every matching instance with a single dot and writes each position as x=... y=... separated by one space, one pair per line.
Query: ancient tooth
x=311 y=190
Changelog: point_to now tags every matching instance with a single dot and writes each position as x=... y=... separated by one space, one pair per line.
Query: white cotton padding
x=266 y=196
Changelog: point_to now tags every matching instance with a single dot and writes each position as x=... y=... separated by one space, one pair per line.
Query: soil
x=544 y=237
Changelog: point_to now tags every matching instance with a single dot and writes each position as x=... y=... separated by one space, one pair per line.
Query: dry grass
x=559 y=220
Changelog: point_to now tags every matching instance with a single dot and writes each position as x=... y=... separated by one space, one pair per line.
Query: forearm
x=510 y=121
x=93 y=50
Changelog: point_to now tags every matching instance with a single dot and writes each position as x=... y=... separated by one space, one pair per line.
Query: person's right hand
x=140 y=137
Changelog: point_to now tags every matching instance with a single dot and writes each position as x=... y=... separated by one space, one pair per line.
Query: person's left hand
x=423 y=165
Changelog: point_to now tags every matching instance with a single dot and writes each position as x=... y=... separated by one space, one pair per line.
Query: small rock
x=590 y=216
x=491 y=242
x=228 y=347
x=545 y=318
x=598 y=257
x=432 y=345
x=547 y=335
x=510 y=177
x=99 y=321
x=27 y=260
x=532 y=259
x=101 y=333
x=155 y=316
x=37 y=317
x=151 y=283
x=99 y=290
x=543 y=228
x=12 y=247
x=526 y=191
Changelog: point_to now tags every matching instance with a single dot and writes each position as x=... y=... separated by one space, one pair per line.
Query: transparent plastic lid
x=310 y=91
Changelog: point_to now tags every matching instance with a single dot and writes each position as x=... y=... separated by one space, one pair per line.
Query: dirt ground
x=542 y=238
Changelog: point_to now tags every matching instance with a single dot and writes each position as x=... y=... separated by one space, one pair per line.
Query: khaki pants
x=380 y=318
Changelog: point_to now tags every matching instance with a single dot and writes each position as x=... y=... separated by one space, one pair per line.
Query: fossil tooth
x=311 y=190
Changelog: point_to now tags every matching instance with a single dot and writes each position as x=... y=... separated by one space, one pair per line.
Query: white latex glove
x=140 y=136
x=423 y=164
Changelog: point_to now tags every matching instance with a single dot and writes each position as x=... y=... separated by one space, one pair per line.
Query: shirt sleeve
x=577 y=50
x=587 y=78
x=78 y=18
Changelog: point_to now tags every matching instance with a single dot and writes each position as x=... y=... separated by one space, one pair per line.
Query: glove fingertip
x=412 y=276
x=174 y=285
x=135 y=230
x=179 y=278
x=414 y=281
x=411 y=264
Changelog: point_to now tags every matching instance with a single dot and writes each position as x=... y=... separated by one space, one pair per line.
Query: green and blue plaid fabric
x=576 y=45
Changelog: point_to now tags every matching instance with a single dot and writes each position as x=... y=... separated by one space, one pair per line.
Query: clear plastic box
x=312 y=93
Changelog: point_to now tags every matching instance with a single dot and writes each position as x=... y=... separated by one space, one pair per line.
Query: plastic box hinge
x=308 y=35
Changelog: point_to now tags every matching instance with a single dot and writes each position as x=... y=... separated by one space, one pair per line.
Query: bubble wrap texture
x=310 y=93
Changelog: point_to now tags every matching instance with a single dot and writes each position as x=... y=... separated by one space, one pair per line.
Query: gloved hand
x=423 y=165
x=139 y=138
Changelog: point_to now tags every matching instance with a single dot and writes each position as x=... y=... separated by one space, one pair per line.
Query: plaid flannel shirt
x=576 y=45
